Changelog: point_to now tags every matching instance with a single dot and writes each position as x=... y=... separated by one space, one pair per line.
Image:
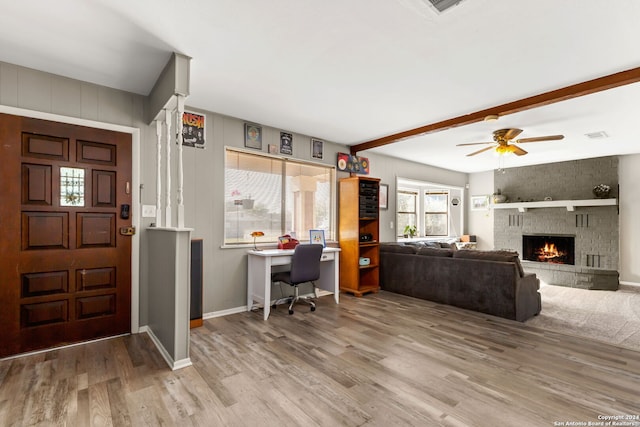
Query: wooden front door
x=65 y=267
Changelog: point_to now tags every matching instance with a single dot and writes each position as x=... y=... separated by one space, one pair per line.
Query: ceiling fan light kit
x=503 y=142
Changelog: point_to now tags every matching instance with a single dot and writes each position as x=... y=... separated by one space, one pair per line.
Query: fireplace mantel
x=570 y=205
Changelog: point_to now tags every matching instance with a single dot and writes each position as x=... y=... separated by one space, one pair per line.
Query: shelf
x=570 y=205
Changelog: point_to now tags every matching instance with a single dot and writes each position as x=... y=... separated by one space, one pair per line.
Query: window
x=276 y=196
x=436 y=213
x=407 y=210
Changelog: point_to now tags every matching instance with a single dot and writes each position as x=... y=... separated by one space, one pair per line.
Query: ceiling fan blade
x=540 y=138
x=509 y=134
x=517 y=150
x=474 y=143
x=479 y=151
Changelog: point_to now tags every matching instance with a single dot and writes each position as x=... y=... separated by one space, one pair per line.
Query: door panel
x=65 y=271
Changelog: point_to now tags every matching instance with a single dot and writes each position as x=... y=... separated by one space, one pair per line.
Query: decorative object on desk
x=317 y=148
x=286 y=143
x=383 y=197
x=256 y=234
x=353 y=164
x=601 y=191
x=317 y=236
x=287 y=242
x=498 y=197
x=479 y=203
x=252 y=136
x=410 y=231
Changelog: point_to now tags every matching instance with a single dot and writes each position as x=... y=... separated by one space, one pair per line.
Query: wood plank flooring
x=380 y=360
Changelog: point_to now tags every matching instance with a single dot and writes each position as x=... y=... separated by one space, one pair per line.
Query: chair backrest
x=305 y=263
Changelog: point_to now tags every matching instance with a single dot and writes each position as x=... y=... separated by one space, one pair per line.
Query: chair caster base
x=313 y=308
x=290 y=311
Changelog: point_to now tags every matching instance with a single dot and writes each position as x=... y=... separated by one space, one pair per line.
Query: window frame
x=330 y=232
x=415 y=213
x=446 y=213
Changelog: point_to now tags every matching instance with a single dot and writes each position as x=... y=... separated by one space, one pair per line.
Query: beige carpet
x=609 y=316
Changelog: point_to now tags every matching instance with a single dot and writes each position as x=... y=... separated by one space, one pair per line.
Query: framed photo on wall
x=193 y=129
x=286 y=143
x=479 y=203
x=317 y=236
x=317 y=148
x=384 y=196
x=253 y=136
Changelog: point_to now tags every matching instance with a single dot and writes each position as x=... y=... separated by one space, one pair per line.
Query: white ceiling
x=354 y=70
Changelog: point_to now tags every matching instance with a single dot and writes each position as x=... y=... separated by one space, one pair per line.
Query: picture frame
x=353 y=164
x=383 y=197
x=317 y=149
x=480 y=203
x=286 y=143
x=317 y=236
x=253 y=136
x=193 y=129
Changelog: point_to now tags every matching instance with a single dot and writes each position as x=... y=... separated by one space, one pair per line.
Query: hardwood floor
x=380 y=360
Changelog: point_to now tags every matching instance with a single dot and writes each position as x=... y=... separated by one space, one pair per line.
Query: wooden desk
x=259 y=274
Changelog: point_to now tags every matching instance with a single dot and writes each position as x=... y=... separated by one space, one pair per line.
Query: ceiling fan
x=503 y=142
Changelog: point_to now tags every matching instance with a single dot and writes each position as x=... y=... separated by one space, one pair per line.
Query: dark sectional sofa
x=491 y=282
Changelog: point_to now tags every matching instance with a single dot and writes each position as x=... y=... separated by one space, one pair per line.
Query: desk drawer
x=328 y=256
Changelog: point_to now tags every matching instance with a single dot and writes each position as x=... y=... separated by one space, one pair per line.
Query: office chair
x=305 y=267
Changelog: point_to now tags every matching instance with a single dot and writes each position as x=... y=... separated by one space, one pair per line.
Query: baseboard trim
x=631 y=286
x=173 y=364
x=222 y=313
x=75 y=344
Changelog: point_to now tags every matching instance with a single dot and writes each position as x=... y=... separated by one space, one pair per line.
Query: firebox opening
x=551 y=249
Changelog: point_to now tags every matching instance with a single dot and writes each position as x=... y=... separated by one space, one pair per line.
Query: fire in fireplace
x=551 y=249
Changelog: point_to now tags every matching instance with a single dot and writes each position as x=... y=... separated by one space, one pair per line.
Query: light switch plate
x=148 y=211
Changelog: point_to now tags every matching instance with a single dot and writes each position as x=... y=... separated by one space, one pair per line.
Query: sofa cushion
x=502 y=256
x=398 y=248
x=429 y=251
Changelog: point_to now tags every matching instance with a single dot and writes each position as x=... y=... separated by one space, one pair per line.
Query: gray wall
x=595 y=228
x=225 y=275
x=628 y=177
x=34 y=90
x=225 y=269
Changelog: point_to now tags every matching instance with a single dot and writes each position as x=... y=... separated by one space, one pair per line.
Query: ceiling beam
x=580 y=89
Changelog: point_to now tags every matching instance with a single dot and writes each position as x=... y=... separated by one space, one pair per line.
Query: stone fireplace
x=573 y=221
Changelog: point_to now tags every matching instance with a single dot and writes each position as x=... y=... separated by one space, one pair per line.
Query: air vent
x=597 y=135
x=442 y=5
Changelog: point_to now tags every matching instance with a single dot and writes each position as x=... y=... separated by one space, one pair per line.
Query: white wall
x=629 y=177
x=480 y=222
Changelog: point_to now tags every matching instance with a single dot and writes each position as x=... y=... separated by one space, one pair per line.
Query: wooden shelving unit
x=359 y=217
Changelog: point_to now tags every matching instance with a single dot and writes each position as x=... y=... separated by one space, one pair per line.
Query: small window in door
x=71 y=187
